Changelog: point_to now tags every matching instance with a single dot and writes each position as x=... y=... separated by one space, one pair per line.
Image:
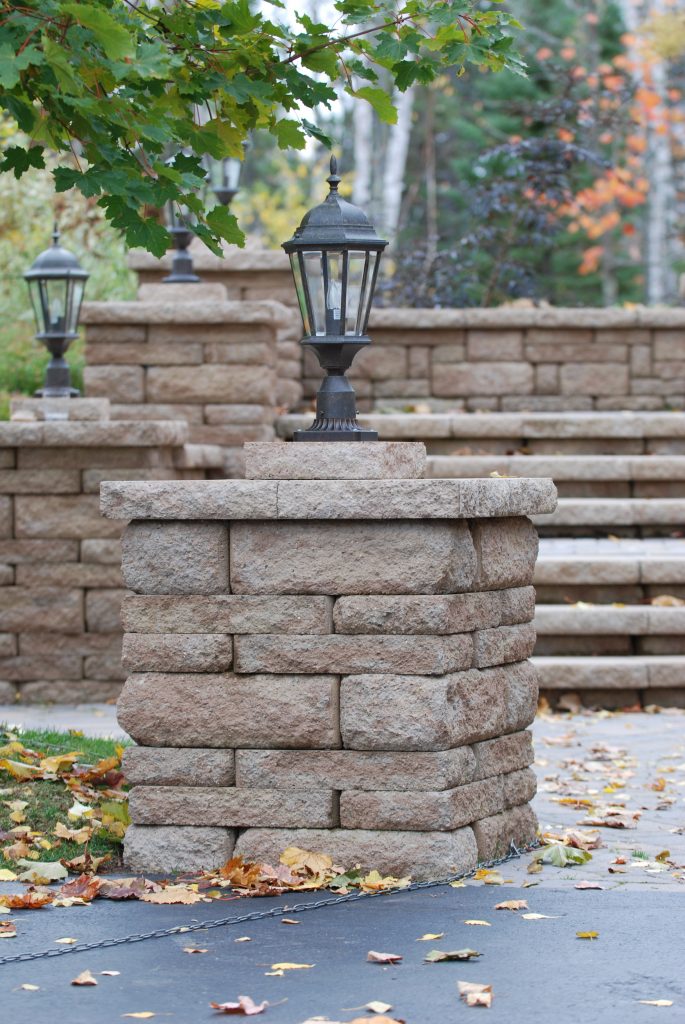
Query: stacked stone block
x=60 y=575
x=337 y=661
x=184 y=352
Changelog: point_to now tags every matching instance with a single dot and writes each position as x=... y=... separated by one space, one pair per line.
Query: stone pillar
x=330 y=653
x=60 y=575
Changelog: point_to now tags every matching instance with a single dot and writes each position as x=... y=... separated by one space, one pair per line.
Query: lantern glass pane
x=357 y=285
x=231 y=172
x=34 y=292
x=75 y=299
x=299 y=288
x=54 y=300
x=313 y=270
x=334 y=292
x=374 y=261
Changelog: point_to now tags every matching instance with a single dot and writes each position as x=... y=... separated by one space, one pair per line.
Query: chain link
x=258 y=915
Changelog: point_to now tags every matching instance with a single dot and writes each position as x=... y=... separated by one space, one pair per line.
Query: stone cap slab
x=189 y=291
x=509 y=425
x=326 y=499
x=251 y=258
x=182 y=312
x=335 y=460
x=501 y=317
x=68 y=408
x=93 y=434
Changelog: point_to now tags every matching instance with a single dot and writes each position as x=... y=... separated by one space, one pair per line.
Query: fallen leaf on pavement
x=245 y=1006
x=431 y=937
x=291 y=967
x=305 y=860
x=29 y=900
x=656 y=1002
x=587 y=935
x=377 y=1007
x=8 y=930
x=116 y=888
x=512 y=905
x=289 y=920
x=588 y=885
x=383 y=958
x=84 y=978
x=437 y=955
x=27 y=987
x=85 y=887
x=488 y=877
x=475 y=994
x=484 y=924
x=540 y=917
x=584 y=840
x=66 y=942
x=614 y=818
x=560 y=856
x=194 y=949
x=73 y=835
x=42 y=873
x=243 y=938
x=7 y=876
x=172 y=894
x=110 y=974
x=143 y=1015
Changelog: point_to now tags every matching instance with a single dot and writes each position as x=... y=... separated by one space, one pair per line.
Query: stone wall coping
x=508 y=425
x=203 y=312
x=93 y=434
x=527 y=316
x=251 y=258
x=326 y=499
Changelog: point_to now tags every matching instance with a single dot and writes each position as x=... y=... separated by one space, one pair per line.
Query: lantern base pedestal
x=314 y=434
x=57 y=393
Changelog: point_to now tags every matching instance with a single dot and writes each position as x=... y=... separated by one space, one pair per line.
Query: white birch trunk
x=362 y=120
x=396 y=152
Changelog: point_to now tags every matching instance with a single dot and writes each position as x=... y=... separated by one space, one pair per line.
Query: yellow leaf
x=458 y=885
x=485 y=924
x=587 y=935
x=7 y=876
x=172 y=894
x=19 y=770
x=30 y=988
x=66 y=942
x=291 y=967
x=304 y=860
x=8 y=930
x=656 y=1002
x=59 y=762
x=512 y=905
x=431 y=936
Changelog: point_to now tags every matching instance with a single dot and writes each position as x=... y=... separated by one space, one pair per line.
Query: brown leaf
x=289 y=920
x=305 y=861
x=124 y=888
x=588 y=885
x=85 y=887
x=86 y=863
x=383 y=958
x=436 y=956
x=245 y=1006
x=173 y=894
x=475 y=994
x=240 y=874
x=194 y=949
x=8 y=930
x=84 y=978
x=512 y=905
x=73 y=835
x=32 y=899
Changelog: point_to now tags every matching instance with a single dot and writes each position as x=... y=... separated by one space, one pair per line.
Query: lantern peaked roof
x=56 y=261
x=335 y=223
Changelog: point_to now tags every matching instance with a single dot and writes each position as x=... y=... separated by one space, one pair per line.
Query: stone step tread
x=610 y=672
x=599 y=560
x=396 y=426
x=611 y=512
x=560 y=467
x=587 y=619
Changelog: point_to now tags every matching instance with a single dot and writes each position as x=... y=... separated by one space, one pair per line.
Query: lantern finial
x=333 y=179
x=55 y=233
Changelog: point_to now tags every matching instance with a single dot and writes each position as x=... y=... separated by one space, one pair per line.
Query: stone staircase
x=613 y=546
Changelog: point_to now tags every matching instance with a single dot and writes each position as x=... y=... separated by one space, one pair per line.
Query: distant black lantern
x=180 y=222
x=56 y=285
x=223 y=176
x=334 y=255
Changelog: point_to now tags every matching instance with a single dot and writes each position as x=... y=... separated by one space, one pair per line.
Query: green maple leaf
x=115 y=40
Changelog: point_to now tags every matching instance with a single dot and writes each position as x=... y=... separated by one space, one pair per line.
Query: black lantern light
x=180 y=222
x=223 y=176
x=334 y=255
x=56 y=284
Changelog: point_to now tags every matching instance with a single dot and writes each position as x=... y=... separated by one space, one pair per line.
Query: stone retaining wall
x=508 y=358
x=60 y=575
x=331 y=653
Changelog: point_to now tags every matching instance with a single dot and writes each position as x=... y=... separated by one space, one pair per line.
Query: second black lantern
x=334 y=255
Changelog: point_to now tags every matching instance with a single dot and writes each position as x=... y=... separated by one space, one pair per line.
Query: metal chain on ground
x=257 y=915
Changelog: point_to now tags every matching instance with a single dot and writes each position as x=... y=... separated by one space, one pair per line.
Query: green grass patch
x=48 y=801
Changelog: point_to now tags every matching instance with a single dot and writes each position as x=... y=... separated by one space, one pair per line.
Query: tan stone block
x=238 y=414
x=157 y=411
x=175 y=558
x=519 y=787
x=172 y=848
x=623 y=336
x=495 y=835
x=354 y=769
x=422 y=812
x=54 y=609
x=207 y=333
x=5 y=517
x=594 y=379
x=210 y=383
x=503 y=498
x=229 y=434
x=506 y=549
x=503 y=644
x=558 y=352
x=106 y=665
x=118 y=383
x=494 y=345
x=410 y=389
x=178 y=766
x=21 y=668
x=421 y=855
x=431 y=655
x=499 y=378
x=403 y=712
x=6 y=575
x=546 y=379
x=641 y=361
x=669 y=345
x=8 y=645
x=435 y=615
x=231 y=711
x=517 y=605
x=66 y=517
x=419 y=362
x=189 y=499
x=93 y=478
x=7 y=458
x=522 y=696
x=177 y=652
x=69 y=691
x=227 y=613
x=102 y=552
x=558 y=336
x=8 y=693
x=503 y=754
x=381 y=362
x=103 y=610
x=16 y=552
x=336 y=460
x=148 y=354
x=224 y=806
x=70 y=574
x=102 y=333
x=351 y=557
x=97 y=458
x=453 y=353
x=245 y=353
x=40 y=481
